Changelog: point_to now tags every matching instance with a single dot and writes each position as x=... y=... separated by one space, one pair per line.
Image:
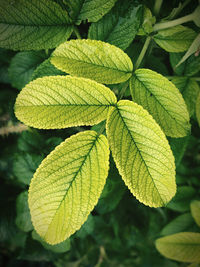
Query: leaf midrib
x=70 y=184
x=118 y=109
x=89 y=63
x=67 y=105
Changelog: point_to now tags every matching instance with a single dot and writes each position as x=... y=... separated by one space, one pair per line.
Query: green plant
x=183 y=246
x=69 y=182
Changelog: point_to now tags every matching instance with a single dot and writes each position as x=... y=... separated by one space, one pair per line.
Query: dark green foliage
x=120 y=231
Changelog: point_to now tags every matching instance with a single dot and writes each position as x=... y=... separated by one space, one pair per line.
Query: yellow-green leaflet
x=141 y=153
x=195 y=210
x=163 y=101
x=93 y=59
x=67 y=185
x=184 y=247
x=175 y=39
x=189 y=89
x=198 y=109
x=33 y=25
x=56 y=102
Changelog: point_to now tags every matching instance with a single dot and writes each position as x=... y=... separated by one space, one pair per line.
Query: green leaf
x=46 y=69
x=87 y=228
x=178 y=147
x=189 y=90
x=67 y=185
x=22 y=66
x=163 y=101
x=175 y=39
x=92 y=59
x=189 y=67
x=141 y=153
x=195 y=210
x=5 y=58
x=180 y=223
x=59 y=248
x=92 y=10
x=198 y=109
x=32 y=25
x=23 y=219
x=181 y=202
x=192 y=49
x=24 y=166
x=119 y=27
x=148 y=21
x=184 y=247
x=196 y=16
x=57 y=102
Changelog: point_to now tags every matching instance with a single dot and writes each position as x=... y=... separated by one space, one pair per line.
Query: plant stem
x=175 y=77
x=18 y=128
x=172 y=23
x=76 y=31
x=142 y=53
x=157 y=6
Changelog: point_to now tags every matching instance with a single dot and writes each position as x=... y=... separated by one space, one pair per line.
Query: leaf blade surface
x=93 y=59
x=141 y=153
x=163 y=101
x=67 y=185
x=57 y=102
x=32 y=25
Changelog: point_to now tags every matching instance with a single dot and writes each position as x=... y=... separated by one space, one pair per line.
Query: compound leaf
x=67 y=185
x=32 y=25
x=189 y=89
x=184 y=247
x=141 y=153
x=195 y=210
x=163 y=101
x=119 y=27
x=93 y=59
x=175 y=39
x=57 y=102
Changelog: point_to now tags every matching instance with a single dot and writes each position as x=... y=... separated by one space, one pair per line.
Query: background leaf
x=93 y=59
x=119 y=27
x=189 y=67
x=59 y=248
x=189 y=90
x=149 y=173
x=32 y=25
x=22 y=66
x=179 y=224
x=181 y=202
x=195 y=210
x=24 y=166
x=198 y=109
x=46 y=69
x=63 y=101
x=184 y=247
x=163 y=101
x=92 y=10
x=175 y=39
x=23 y=219
x=79 y=167
x=178 y=146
